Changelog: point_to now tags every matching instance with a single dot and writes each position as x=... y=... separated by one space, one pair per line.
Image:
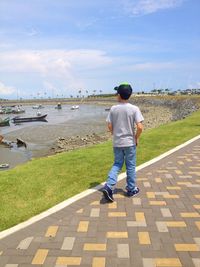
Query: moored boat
x=75 y=107
x=59 y=106
x=5 y=122
x=18 y=110
x=37 y=106
x=29 y=119
x=4 y=165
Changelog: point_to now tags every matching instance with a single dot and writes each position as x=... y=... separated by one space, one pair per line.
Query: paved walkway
x=158 y=228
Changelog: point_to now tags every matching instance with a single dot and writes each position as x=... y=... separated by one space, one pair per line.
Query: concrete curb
x=85 y=193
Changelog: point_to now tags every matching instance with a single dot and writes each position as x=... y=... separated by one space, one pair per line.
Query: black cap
x=124 y=90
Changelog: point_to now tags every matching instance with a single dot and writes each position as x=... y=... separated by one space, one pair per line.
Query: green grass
x=41 y=183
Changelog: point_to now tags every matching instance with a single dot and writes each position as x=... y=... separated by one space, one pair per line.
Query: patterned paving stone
x=98 y=262
x=40 y=256
x=160 y=227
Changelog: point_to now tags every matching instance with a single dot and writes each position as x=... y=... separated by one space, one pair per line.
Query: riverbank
x=81 y=130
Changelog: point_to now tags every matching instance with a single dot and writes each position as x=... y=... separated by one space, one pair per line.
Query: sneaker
x=135 y=191
x=108 y=193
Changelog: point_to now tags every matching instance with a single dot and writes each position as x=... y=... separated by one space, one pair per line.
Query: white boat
x=75 y=107
x=4 y=166
x=37 y=106
x=18 y=109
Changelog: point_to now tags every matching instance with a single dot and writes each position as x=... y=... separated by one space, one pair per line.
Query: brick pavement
x=158 y=228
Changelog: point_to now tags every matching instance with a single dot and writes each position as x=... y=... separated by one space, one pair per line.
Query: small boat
x=29 y=119
x=75 y=107
x=59 y=106
x=6 y=110
x=37 y=106
x=18 y=110
x=4 y=166
x=20 y=143
x=38 y=113
x=5 y=122
x=107 y=109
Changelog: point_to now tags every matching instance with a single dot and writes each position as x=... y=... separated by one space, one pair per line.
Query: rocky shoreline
x=44 y=140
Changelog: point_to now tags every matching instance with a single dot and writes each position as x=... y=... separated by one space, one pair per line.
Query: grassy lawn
x=39 y=184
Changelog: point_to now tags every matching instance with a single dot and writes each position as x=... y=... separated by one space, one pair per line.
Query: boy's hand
x=136 y=140
x=138 y=132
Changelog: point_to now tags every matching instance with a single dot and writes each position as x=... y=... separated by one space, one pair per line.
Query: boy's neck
x=120 y=100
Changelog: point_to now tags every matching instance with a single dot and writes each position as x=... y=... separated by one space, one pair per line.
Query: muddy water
x=40 y=136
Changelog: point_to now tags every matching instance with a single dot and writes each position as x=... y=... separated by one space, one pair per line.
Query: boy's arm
x=139 y=129
x=110 y=128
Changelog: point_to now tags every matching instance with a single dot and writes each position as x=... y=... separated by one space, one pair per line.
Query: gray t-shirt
x=123 y=118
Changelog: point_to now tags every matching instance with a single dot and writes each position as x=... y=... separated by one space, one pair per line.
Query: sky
x=56 y=48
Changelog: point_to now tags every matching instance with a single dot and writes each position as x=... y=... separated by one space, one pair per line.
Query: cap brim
x=116 y=88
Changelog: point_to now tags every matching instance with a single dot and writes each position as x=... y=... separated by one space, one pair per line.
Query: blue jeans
x=121 y=154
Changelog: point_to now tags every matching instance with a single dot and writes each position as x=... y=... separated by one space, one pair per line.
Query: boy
x=121 y=121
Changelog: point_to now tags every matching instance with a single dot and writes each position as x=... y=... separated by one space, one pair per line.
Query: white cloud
x=58 y=62
x=53 y=69
x=143 y=7
x=6 y=90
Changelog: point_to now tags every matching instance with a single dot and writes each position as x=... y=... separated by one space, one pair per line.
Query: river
x=40 y=136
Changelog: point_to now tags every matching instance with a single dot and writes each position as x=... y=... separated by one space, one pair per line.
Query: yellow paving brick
x=180 y=162
x=176 y=224
x=166 y=262
x=150 y=195
x=118 y=196
x=94 y=203
x=186 y=247
x=157 y=203
x=139 y=216
x=197 y=196
x=98 y=262
x=68 y=261
x=40 y=256
x=184 y=183
x=198 y=225
x=196 y=207
x=94 y=247
x=190 y=214
x=83 y=226
x=116 y=214
x=51 y=231
x=158 y=180
x=142 y=179
x=112 y=205
x=178 y=172
x=80 y=211
x=173 y=188
x=171 y=196
x=117 y=234
x=144 y=238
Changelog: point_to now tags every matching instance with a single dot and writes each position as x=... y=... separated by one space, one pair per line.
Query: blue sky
x=50 y=48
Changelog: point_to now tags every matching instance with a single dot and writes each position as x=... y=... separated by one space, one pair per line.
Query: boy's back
x=123 y=117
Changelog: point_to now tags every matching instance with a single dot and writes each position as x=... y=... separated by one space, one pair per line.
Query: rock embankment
x=180 y=107
x=74 y=142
